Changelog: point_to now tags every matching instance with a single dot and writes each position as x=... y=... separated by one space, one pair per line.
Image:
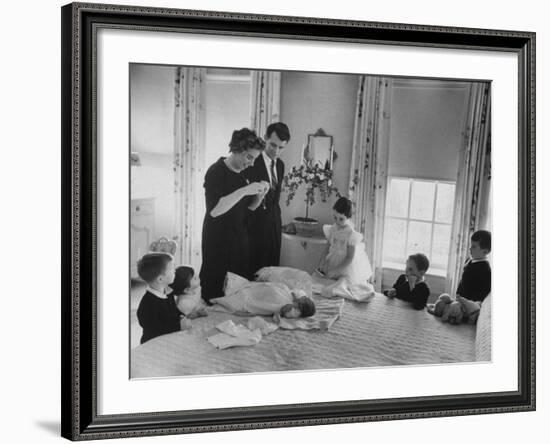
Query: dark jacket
x=157 y=316
x=475 y=283
x=418 y=296
x=264 y=224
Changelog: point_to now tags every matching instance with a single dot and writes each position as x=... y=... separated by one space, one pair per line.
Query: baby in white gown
x=345 y=255
x=263 y=298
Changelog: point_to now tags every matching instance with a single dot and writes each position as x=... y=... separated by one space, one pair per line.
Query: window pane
x=422 y=200
x=441 y=242
x=398 y=198
x=420 y=234
x=445 y=202
x=394 y=239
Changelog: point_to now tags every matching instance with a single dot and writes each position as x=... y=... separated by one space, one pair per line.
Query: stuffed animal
x=440 y=306
x=455 y=311
x=471 y=309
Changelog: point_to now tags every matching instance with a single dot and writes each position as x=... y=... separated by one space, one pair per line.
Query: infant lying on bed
x=263 y=298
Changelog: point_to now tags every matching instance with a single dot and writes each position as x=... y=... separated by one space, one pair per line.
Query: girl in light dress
x=345 y=255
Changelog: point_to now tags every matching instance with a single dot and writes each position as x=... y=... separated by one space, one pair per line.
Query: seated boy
x=475 y=283
x=157 y=312
x=411 y=287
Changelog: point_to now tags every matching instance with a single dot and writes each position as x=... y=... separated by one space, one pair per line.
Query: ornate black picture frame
x=80 y=22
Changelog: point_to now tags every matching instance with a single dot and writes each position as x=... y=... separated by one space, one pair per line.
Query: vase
x=306 y=226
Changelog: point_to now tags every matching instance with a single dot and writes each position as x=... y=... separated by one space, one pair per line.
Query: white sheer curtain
x=265 y=100
x=369 y=166
x=188 y=164
x=472 y=199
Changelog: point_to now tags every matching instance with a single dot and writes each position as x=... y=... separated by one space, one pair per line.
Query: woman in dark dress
x=229 y=196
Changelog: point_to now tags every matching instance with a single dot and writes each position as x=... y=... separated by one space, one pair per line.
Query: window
x=418 y=220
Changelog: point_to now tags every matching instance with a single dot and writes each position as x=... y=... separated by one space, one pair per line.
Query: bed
x=382 y=332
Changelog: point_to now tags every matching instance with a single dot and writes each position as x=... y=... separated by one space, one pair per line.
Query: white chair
x=164 y=245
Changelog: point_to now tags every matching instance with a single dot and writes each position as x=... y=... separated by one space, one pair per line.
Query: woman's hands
x=258 y=190
x=254 y=188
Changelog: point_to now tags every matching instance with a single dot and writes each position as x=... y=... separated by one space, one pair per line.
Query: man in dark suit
x=264 y=224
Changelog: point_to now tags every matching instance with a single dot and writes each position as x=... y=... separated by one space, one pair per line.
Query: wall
x=30 y=382
x=311 y=101
x=152 y=136
x=152 y=99
x=227 y=108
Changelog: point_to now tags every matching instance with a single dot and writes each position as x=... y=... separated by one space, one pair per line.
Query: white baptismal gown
x=359 y=271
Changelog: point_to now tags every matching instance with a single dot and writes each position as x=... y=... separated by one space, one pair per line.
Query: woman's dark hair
x=484 y=239
x=152 y=265
x=306 y=306
x=280 y=129
x=244 y=140
x=182 y=279
x=343 y=206
x=421 y=261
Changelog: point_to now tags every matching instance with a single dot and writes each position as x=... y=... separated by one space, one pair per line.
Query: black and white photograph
x=296 y=221
x=275 y=222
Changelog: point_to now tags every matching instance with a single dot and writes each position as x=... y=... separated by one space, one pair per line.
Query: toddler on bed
x=186 y=290
x=157 y=312
x=475 y=283
x=411 y=286
x=345 y=254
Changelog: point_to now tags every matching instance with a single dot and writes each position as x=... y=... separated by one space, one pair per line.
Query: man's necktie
x=273 y=177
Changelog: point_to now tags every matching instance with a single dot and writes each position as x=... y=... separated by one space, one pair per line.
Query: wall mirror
x=319 y=149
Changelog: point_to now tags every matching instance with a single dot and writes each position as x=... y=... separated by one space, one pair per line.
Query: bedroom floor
x=137 y=289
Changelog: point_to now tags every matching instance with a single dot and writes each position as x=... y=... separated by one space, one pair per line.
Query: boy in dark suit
x=264 y=224
x=475 y=283
x=157 y=312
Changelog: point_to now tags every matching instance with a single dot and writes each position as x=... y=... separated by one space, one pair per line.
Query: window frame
x=391 y=263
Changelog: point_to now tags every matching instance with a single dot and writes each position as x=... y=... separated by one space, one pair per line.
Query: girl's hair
x=306 y=306
x=421 y=261
x=343 y=206
x=152 y=265
x=244 y=140
x=182 y=279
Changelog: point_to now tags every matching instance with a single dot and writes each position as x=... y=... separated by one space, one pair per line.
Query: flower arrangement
x=315 y=178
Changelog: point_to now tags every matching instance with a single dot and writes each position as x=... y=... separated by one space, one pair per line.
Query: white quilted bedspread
x=379 y=333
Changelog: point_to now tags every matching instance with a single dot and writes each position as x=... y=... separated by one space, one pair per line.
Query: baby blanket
x=326 y=314
x=234 y=335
